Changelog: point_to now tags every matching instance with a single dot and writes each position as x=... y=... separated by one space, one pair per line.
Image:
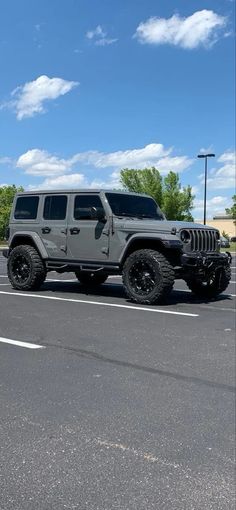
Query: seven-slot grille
x=203 y=240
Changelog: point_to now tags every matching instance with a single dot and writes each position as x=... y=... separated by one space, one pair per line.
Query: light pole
x=205 y=156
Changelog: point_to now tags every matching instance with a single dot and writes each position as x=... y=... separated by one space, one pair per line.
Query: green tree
x=232 y=210
x=176 y=202
x=147 y=181
x=7 y=194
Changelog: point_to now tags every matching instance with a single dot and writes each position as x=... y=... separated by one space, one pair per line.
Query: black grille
x=203 y=240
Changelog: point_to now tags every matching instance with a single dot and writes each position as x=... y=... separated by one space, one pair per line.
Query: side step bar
x=59 y=266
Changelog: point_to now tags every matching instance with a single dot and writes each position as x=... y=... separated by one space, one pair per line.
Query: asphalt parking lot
x=108 y=405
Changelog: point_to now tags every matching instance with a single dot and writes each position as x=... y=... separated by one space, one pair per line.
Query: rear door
x=54 y=225
x=88 y=238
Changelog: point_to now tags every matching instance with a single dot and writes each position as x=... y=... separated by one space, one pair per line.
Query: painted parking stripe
x=21 y=344
x=186 y=290
x=100 y=303
x=62 y=281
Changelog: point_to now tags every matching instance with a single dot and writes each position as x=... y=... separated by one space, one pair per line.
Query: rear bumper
x=204 y=260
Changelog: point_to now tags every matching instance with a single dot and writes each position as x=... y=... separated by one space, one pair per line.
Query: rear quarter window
x=26 y=208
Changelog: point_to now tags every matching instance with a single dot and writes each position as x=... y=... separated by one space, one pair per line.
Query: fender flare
x=34 y=237
x=167 y=241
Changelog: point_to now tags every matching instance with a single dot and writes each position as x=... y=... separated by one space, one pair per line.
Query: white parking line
x=186 y=290
x=61 y=281
x=4 y=284
x=3 y=276
x=20 y=344
x=100 y=303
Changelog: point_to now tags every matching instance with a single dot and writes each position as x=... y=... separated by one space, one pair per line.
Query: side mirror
x=98 y=213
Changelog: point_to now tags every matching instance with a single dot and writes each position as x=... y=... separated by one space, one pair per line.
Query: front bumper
x=205 y=260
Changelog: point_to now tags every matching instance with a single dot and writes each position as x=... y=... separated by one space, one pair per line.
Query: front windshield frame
x=144 y=207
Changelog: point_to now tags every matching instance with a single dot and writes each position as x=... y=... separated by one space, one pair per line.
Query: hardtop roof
x=77 y=190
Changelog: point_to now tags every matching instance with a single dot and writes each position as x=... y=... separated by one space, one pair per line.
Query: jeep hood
x=165 y=226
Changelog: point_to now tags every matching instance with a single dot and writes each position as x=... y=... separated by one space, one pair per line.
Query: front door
x=88 y=238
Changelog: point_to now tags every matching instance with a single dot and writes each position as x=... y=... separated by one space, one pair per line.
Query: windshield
x=134 y=206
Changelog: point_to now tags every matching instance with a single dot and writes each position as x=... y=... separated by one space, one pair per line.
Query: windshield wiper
x=146 y=216
x=124 y=215
x=139 y=216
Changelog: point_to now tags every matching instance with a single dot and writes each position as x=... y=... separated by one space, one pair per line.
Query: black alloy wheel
x=148 y=276
x=142 y=277
x=20 y=269
x=26 y=269
x=213 y=285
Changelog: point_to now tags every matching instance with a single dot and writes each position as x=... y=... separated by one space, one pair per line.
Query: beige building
x=223 y=223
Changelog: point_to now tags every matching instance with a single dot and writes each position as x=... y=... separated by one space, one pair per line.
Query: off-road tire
x=211 y=288
x=26 y=269
x=151 y=269
x=91 y=279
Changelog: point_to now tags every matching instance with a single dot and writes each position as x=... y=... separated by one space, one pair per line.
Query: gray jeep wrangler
x=97 y=233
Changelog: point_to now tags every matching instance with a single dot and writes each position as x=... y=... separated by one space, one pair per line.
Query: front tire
x=91 y=279
x=26 y=269
x=148 y=277
x=216 y=283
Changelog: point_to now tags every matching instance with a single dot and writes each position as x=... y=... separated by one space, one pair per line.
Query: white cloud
x=97 y=32
x=5 y=160
x=29 y=99
x=151 y=155
x=207 y=150
x=61 y=182
x=215 y=205
x=100 y=37
x=225 y=176
x=195 y=189
x=77 y=180
x=105 y=41
x=39 y=163
x=176 y=164
x=200 y=29
x=227 y=157
x=112 y=182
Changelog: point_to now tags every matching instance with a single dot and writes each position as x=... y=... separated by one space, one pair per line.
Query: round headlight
x=185 y=236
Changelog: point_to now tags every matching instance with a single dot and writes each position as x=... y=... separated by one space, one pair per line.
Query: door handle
x=74 y=231
x=46 y=230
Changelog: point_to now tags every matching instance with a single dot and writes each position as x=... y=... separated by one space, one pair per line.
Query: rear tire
x=148 y=277
x=215 y=285
x=91 y=279
x=26 y=269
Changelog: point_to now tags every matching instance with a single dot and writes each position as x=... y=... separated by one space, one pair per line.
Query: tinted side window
x=55 y=207
x=26 y=208
x=83 y=204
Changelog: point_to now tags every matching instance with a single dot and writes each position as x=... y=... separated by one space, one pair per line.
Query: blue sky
x=92 y=86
